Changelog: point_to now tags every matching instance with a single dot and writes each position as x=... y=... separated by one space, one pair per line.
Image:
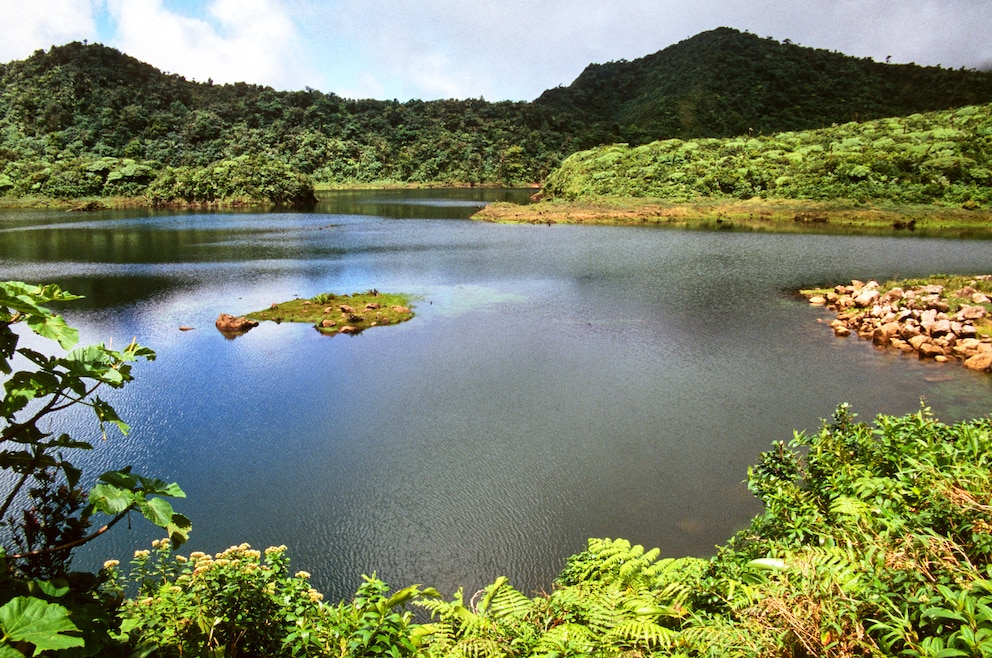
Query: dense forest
x=933 y=157
x=84 y=120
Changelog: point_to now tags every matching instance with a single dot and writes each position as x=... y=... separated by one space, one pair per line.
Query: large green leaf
x=43 y=624
x=111 y=499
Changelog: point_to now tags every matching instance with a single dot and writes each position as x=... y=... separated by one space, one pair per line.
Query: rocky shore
x=932 y=320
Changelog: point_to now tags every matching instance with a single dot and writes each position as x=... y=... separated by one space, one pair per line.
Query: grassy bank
x=781 y=215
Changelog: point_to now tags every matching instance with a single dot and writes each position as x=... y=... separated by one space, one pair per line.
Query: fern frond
x=478 y=647
x=565 y=640
x=509 y=603
x=637 y=633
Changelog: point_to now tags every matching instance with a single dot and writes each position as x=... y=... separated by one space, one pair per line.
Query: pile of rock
x=917 y=320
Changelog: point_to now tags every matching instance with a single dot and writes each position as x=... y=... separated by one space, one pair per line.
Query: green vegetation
x=724 y=83
x=86 y=121
x=939 y=157
x=45 y=512
x=333 y=314
x=875 y=539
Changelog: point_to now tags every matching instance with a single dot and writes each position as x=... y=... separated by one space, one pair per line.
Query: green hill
x=84 y=120
x=724 y=82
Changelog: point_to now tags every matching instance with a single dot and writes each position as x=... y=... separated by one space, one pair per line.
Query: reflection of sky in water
x=556 y=383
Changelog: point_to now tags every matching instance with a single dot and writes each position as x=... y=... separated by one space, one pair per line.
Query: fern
x=565 y=640
x=505 y=602
x=641 y=633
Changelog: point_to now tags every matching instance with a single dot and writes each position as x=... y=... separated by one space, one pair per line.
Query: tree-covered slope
x=724 y=82
x=943 y=157
x=87 y=120
x=80 y=101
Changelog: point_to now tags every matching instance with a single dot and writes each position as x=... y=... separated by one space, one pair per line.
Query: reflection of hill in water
x=416 y=204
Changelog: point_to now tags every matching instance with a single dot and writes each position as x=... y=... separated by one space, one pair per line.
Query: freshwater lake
x=556 y=383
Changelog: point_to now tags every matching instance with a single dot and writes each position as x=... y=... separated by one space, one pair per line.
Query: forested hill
x=724 y=83
x=87 y=120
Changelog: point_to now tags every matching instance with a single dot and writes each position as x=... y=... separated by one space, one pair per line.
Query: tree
x=44 y=511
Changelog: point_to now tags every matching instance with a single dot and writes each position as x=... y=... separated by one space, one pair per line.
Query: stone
x=972 y=312
x=866 y=298
x=817 y=300
x=401 y=309
x=918 y=341
x=229 y=324
x=930 y=351
x=327 y=323
x=348 y=329
x=982 y=361
x=940 y=328
x=883 y=335
x=346 y=309
x=842 y=331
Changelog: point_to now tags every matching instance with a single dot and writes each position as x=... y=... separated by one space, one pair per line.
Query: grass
x=332 y=314
x=778 y=215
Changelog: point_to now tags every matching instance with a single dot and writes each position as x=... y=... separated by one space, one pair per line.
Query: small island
x=333 y=314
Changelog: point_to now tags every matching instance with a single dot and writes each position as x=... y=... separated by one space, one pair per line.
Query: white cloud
x=28 y=25
x=246 y=40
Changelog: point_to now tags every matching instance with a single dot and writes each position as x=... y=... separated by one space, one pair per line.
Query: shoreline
x=780 y=215
x=944 y=318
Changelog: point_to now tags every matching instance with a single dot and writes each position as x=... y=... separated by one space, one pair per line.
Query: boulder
x=941 y=327
x=972 y=313
x=883 y=335
x=981 y=361
x=867 y=297
x=229 y=324
x=930 y=351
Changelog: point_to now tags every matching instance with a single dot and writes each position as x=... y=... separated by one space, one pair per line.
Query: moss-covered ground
x=347 y=314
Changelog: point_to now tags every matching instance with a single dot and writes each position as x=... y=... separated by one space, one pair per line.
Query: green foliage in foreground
x=938 y=157
x=45 y=511
x=876 y=539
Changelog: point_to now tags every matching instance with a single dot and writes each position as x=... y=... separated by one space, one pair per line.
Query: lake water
x=557 y=383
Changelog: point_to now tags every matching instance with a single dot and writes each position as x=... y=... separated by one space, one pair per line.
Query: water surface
x=556 y=383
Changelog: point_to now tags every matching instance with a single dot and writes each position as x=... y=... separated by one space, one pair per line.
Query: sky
x=497 y=50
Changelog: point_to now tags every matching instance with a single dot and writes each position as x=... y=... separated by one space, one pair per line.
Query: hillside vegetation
x=724 y=82
x=84 y=120
x=938 y=157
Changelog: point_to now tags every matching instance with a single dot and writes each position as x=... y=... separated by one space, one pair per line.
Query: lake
x=556 y=383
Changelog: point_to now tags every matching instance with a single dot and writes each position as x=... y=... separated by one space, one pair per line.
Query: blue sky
x=505 y=49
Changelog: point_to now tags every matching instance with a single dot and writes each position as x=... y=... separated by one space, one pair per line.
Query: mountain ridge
x=78 y=102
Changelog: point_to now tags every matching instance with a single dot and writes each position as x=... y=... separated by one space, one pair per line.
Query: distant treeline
x=86 y=120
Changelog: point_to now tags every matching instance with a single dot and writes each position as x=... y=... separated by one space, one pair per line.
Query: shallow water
x=556 y=383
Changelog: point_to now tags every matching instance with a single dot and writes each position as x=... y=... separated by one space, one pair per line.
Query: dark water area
x=557 y=383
